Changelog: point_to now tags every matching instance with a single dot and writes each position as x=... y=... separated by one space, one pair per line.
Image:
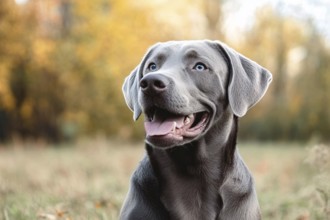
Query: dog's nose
x=154 y=83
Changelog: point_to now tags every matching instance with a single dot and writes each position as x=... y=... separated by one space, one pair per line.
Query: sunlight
x=21 y=2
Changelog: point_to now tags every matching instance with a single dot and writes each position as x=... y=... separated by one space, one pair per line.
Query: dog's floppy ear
x=131 y=87
x=248 y=81
x=130 y=90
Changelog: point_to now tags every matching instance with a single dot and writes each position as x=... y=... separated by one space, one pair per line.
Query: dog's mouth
x=162 y=124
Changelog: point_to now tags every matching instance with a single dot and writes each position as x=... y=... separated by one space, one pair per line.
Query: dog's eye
x=200 y=67
x=152 y=67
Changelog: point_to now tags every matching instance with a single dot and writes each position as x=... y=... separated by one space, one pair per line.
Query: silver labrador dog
x=192 y=94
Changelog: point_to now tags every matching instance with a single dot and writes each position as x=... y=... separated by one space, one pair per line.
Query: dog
x=192 y=94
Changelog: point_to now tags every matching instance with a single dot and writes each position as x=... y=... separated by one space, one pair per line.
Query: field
x=90 y=179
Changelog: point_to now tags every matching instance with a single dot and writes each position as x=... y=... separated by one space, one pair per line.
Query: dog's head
x=182 y=86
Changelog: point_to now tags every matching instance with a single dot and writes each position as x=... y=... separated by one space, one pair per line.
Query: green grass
x=90 y=179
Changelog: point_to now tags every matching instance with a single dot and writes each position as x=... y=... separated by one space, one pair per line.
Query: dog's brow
x=191 y=54
x=160 y=57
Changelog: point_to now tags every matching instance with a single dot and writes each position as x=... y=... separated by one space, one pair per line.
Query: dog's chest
x=190 y=197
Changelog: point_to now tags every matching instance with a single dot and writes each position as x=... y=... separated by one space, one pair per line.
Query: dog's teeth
x=187 y=120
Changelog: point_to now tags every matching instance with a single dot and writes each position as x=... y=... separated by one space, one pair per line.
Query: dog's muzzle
x=164 y=125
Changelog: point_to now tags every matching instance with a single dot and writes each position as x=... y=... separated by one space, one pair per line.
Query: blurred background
x=62 y=65
x=62 y=62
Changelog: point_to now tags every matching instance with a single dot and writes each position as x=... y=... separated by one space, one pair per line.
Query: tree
x=295 y=106
x=312 y=86
x=268 y=42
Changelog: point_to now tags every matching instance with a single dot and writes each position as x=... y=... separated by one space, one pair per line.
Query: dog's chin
x=164 y=142
x=168 y=142
x=166 y=130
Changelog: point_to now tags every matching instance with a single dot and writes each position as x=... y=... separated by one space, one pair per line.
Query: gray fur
x=202 y=177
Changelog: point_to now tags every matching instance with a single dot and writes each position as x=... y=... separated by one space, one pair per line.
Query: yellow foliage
x=27 y=110
x=6 y=99
x=42 y=49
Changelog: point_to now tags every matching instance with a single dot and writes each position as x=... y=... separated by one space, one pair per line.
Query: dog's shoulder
x=239 y=194
x=144 y=176
x=143 y=199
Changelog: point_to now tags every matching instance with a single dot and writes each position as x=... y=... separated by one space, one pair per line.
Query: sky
x=240 y=12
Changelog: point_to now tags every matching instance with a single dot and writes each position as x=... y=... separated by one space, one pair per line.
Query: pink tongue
x=157 y=127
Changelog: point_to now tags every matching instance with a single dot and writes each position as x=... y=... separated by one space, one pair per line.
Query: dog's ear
x=248 y=81
x=131 y=87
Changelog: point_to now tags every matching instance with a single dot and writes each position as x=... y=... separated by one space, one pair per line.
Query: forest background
x=62 y=63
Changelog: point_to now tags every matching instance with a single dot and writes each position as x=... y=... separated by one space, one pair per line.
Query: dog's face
x=183 y=86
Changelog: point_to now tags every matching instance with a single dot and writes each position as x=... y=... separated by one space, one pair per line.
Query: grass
x=90 y=180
